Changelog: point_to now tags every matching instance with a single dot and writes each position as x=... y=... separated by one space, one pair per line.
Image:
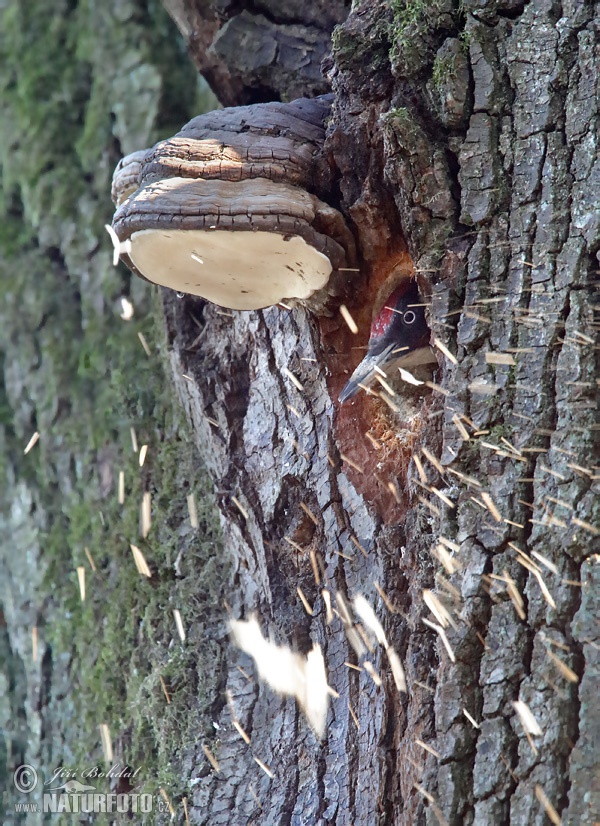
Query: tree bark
x=466 y=143
x=253 y=52
x=464 y=140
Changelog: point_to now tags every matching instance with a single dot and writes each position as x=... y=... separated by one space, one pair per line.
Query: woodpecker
x=399 y=337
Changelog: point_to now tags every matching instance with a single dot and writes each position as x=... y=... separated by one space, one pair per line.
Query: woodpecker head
x=399 y=338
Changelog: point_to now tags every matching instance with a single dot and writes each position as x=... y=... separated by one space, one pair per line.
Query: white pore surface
x=241 y=270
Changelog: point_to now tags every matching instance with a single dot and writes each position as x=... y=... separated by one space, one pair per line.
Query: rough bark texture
x=251 y=52
x=466 y=144
x=480 y=132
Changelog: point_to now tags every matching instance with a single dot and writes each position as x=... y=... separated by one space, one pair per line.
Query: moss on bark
x=80 y=83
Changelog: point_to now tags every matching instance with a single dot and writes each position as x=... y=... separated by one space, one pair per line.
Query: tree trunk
x=466 y=139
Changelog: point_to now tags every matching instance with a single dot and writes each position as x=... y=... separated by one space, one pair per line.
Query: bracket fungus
x=232 y=208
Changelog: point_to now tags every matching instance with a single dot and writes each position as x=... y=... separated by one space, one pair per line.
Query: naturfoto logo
x=69 y=790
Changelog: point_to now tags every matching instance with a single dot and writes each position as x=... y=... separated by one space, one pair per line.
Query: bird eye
x=409 y=317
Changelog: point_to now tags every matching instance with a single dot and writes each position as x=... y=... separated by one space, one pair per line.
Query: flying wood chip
x=288 y=672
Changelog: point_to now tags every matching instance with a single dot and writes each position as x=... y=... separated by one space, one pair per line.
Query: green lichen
x=444 y=69
x=465 y=40
x=407 y=14
x=417 y=30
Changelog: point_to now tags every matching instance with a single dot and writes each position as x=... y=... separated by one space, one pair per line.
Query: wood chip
x=354 y=717
x=241 y=732
x=564 y=669
x=397 y=669
x=309 y=513
x=471 y=719
x=587 y=526
x=548 y=807
x=264 y=767
x=409 y=378
x=435 y=511
x=526 y=716
x=451 y=565
x=499 y=358
x=140 y=561
x=31 y=443
x=385 y=385
x=345 y=313
x=489 y=502
x=294 y=545
x=420 y=469
x=368 y=666
x=355 y=542
x=384 y=597
x=144 y=343
x=384 y=397
x=287 y=671
x=373 y=441
x=546 y=562
x=480 y=388
x=192 y=512
x=443 y=349
x=304 y=601
x=433 y=805
x=119 y=247
x=429 y=455
x=367 y=614
x=393 y=489
x=164 y=688
x=437 y=388
x=544 y=589
x=423 y=745
x=510 y=446
x=211 y=758
x=464 y=433
x=295 y=381
x=454 y=546
x=352 y=464
x=90 y=559
x=327 y=600
x=442 y=496
x=179 y=624
x=81 y=580
x=438 y=609
x=145 y=515
x=443 y=637
x=554 y=473
x=515 y=595
x=240 y=507
x=315 y=566
x=106 y=740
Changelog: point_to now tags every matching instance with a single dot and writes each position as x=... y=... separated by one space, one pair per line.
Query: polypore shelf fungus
x=231 y=208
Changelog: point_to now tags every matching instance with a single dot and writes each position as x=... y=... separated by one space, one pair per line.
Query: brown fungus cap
x=126 y=177
x=229 y=209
